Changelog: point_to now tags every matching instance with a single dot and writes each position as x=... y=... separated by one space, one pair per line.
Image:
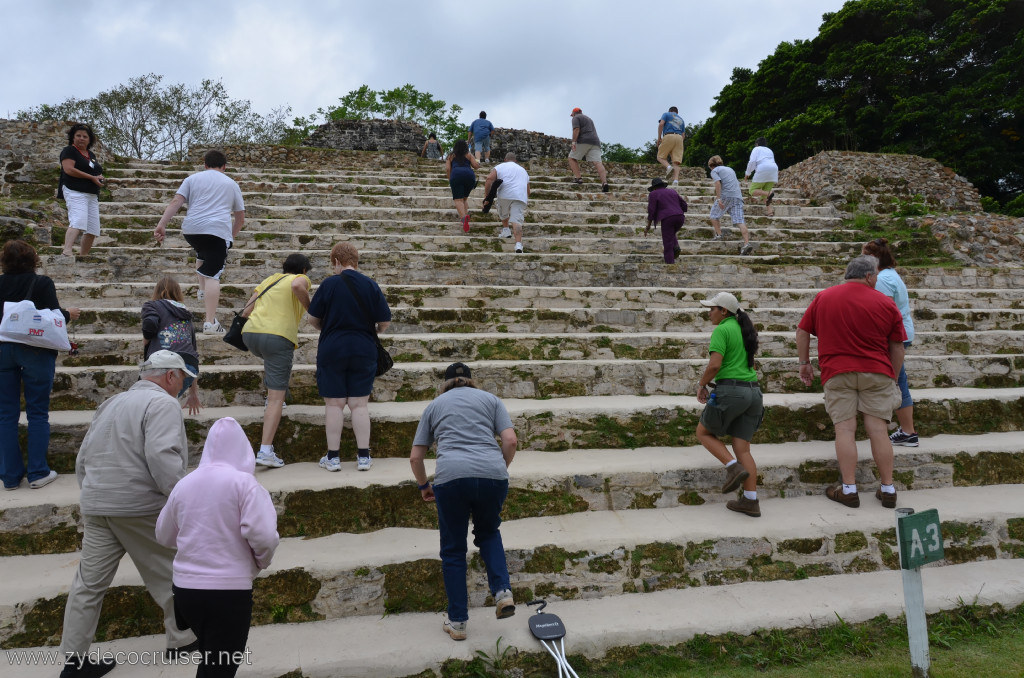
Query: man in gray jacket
x=132 y=456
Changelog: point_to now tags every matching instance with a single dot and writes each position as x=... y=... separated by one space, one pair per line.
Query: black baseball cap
x=457 y=370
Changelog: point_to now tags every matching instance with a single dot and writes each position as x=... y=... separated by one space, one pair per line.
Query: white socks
x=889 y=489
x=730 y=463
x=851 y=489
x=750 y=495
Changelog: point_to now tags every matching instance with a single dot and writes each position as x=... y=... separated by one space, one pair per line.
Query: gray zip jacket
x=133 y=454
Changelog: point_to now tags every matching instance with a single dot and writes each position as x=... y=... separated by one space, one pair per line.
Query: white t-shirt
x=514 y=181
x=762 y=165
x=211 y=196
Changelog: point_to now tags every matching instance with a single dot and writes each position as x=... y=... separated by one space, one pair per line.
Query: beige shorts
x=590 y=152
x=513 y=210
x=671 y=144
x=848 y=393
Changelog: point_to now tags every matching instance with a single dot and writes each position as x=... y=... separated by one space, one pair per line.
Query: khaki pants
x=105 y=541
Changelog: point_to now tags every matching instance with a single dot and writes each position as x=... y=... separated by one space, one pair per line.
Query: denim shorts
x=482 y=145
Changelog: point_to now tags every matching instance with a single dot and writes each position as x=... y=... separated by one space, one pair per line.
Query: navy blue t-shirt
x=344 y=328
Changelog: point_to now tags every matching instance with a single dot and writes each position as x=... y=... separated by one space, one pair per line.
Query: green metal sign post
x=919 y=536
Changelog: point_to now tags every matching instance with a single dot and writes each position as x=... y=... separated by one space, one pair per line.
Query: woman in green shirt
x=735 y=407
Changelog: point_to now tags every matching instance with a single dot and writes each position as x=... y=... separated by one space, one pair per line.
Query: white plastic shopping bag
x=25 y=324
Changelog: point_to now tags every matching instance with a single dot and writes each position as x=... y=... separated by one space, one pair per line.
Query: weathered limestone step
x=540 y=201
x=127 y=349
x=378 y=646
x=586 y=555
x=686 y=318
x=127 y=293
x=484 y=240
x=798 y=228
x=447 y=244
x=222 y=385
x=558 y=424
x=534 y=215
x=551 y=270
x=545 y=484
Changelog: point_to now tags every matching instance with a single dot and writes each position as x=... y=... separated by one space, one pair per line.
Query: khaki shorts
x=848 y=393
x=671 y=144
x=590 y=152
x=513 y=210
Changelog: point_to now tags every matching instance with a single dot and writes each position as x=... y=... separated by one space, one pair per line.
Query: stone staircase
x=595 y=344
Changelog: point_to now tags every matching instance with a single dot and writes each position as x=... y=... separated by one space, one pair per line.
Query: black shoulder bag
x=234 y=334
x=384 y=360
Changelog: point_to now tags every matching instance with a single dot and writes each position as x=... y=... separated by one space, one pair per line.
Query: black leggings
x=220 y=620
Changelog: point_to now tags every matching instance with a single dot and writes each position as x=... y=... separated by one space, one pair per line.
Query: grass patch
x=967 y=642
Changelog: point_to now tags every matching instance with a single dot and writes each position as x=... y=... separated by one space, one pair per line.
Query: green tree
x=938 y=78
x=401 y=103
x=144 y=118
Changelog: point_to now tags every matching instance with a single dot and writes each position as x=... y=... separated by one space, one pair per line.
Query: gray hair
x=155 y=374
x=510 y=157
x=861 y=267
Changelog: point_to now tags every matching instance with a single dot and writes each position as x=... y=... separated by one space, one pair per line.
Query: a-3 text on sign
x=920 y=539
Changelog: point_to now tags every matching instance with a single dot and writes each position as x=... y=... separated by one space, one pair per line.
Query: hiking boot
x=44 y=481
x=743 y=505
x=332 y=465
x=269 y=459
x=902 y=439
x=835 y=493
x=888 y=499
x=364 y=463
x=734 y=476
x=457 y=630
x=505 y=606
x=676 y=251
x=604 y=188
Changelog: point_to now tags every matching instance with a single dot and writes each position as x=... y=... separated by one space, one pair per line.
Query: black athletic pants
x=220 y=620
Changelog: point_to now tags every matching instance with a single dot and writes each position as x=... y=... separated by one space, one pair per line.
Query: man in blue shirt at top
x=480 y=137
x=671 y=133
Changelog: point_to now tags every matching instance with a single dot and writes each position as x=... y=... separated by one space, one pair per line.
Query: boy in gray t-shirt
x=728 y=199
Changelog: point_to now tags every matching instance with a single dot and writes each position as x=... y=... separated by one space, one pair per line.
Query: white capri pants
x=83 y=211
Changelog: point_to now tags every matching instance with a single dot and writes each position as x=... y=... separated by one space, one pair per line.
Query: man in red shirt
x=860 y=351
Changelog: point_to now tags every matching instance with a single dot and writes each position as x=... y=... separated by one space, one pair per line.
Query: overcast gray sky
x=526 y=62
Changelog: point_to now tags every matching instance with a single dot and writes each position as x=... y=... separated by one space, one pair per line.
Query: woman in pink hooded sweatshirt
x=224 y=526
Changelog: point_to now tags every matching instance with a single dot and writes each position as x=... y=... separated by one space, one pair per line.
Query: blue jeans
x=33 y=368
x=458 y=501
x=901 y=381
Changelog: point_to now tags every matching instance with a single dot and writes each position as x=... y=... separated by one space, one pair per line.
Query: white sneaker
x=718 y=237
x=213 y=328
x=519 y=248
x=506 y=233
x=746 y=249
x=330 y=464
x=44 y=481
x=269 y=459
x=363 y=463
x=504 y=605
x=200 y=295
x=676 y=182
x=668 y=172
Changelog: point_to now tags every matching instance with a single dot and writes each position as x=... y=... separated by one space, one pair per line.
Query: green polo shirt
x=727 y=339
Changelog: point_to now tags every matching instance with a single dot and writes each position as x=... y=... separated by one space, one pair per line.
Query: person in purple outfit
x=668 y=207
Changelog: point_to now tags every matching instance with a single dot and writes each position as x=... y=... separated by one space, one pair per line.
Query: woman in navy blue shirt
x=346 y=355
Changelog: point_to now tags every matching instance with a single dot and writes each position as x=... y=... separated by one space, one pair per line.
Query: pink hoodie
x=220 y=518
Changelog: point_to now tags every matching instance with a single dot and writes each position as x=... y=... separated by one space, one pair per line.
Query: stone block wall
x=868 y=182
x=369 y=135
x=303 y=157
x=978 y=238
x=526 y=144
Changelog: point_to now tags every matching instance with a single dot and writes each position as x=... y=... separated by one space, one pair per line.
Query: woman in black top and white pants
x=81 y=178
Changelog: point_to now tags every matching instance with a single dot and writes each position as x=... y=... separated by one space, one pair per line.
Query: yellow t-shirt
x=278 y=311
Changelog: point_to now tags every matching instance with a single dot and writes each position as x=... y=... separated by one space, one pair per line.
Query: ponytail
x=749 y=335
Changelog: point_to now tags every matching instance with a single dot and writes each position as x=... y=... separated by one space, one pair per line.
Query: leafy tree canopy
x=401 y=103
x=144 y=118
x=937 y=78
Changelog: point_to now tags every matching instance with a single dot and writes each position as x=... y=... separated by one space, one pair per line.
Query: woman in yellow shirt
x=272 y=333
